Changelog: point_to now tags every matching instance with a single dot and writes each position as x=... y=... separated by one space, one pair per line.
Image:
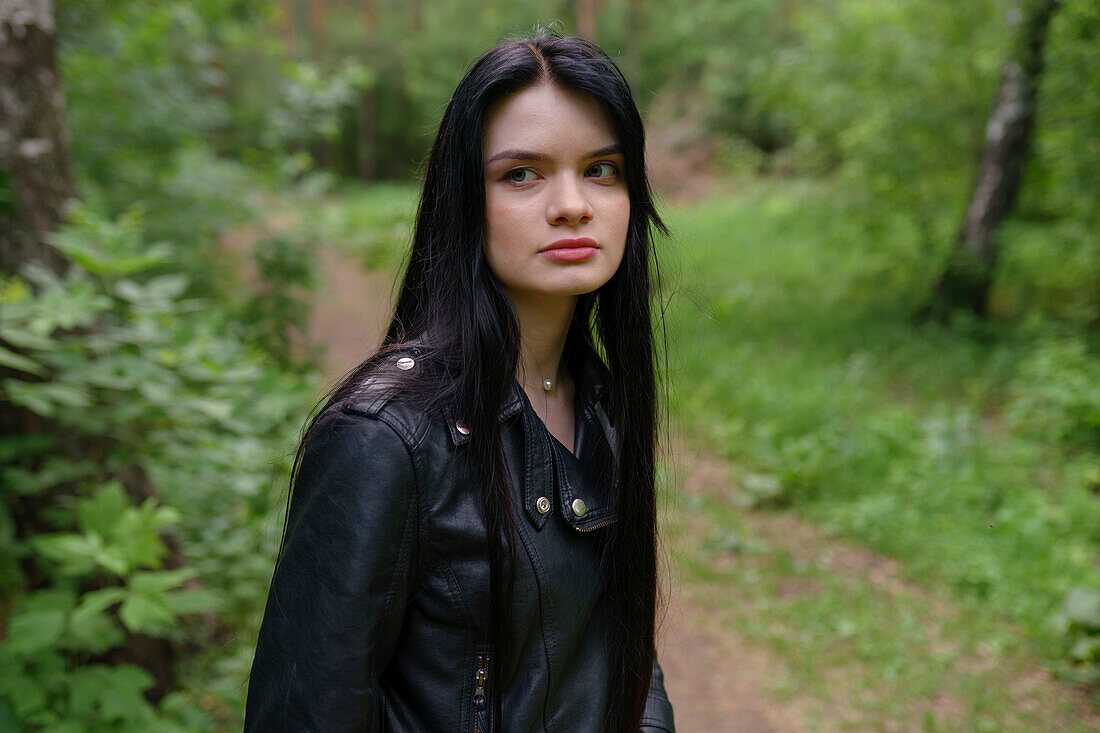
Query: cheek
x=504 y=240
x=622 y=221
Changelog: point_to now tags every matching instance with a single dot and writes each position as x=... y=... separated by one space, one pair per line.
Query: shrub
x=133 y=500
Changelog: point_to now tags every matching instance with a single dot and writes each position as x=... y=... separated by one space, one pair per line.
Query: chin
x=581 y=286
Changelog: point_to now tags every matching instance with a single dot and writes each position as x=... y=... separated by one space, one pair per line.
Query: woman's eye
x=520 y=175
x=602 y=170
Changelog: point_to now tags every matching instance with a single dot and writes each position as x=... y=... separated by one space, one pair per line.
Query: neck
x=543 y=325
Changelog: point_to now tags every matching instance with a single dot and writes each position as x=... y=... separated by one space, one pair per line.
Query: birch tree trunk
x=35 y=176
x=969 y=274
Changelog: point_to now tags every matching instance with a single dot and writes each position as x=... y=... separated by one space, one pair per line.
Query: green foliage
x=1057 y=208
x=969 y=452
x=1079 y=621
x=146 y=105
x=169 y=419
x=1056 y=396
x=277 y=311
x=159 y=397
x=892 y=98
x=313 y=103
x=715 y=53
x=375 y=226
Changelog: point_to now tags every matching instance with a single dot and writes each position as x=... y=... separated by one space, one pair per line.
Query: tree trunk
x=35 y=177
x=367 y=161
x=586 y=19
x=969 y=273
x=318 y=27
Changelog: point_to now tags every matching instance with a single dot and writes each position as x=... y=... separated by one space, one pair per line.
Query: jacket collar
x=591 y=380
x=588 y=481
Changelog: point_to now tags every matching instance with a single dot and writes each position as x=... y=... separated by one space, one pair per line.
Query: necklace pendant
x=548 y=384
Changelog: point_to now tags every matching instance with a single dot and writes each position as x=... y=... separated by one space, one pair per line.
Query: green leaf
x=96 y=634
x=123 y=698
x=50 y=599
x=27 y=695
x=86 y=687
x=130 y=291
x=135 y=535
x=113 y=559
x=44 y=398
x=73 y=552
x=54 y=471
x=159 y=581
x=25 y=339
x=190 y=601
x=20 y=363
x=95 y=602
x=116 y=692
x=168 y=286
x=146 y=614
x=23 y=690
x=40 y=622
x=102 y=512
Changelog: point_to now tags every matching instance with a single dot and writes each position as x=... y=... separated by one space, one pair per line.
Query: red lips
x=570 y=250
x=570 y=244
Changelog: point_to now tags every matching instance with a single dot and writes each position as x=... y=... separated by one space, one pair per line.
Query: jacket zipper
x=596 y=526
x=481 y=679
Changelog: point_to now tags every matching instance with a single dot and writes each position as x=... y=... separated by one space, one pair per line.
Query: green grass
x=794 y=355
x=860 y=655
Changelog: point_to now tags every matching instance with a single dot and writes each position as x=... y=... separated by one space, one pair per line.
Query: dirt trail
x=714 y=679
x=350 y=312
x=720 y=681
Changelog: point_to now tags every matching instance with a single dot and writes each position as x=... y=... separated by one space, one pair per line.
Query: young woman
x=470 y=543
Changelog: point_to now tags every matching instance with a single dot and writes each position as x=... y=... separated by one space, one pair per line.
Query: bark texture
x=969 y=274
x=35 y=176
x=587 y=11
x=35 y=182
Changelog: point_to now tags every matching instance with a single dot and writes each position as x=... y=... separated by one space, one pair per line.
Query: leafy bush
x=135 y=499
x=1056 y=395
x=277 y=312
x=1079 y=621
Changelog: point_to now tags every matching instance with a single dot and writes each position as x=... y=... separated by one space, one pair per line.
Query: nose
x=568 y=203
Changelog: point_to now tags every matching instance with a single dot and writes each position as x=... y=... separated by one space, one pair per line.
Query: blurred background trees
x=147 y=395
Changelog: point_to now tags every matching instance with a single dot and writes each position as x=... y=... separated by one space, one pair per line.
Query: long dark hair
x=455 y=312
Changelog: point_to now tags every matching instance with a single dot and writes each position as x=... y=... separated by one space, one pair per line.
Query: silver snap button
x=579 y=507
x=462 y=429
x=542 y=504
x=405 y=363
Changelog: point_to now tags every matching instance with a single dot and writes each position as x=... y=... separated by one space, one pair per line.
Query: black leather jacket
x=377 y=618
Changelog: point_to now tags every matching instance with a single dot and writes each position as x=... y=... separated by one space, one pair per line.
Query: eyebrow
x=615 y=149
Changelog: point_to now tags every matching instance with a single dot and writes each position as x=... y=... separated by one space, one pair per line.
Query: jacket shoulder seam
x=410 y=425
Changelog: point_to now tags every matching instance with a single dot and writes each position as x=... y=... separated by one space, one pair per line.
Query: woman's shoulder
x=395 y=390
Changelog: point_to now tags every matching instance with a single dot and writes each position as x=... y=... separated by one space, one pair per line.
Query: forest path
x=733 y=662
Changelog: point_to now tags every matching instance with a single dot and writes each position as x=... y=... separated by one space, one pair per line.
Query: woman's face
x=556 y=202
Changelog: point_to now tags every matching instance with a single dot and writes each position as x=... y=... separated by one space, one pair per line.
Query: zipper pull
x=481 y=677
